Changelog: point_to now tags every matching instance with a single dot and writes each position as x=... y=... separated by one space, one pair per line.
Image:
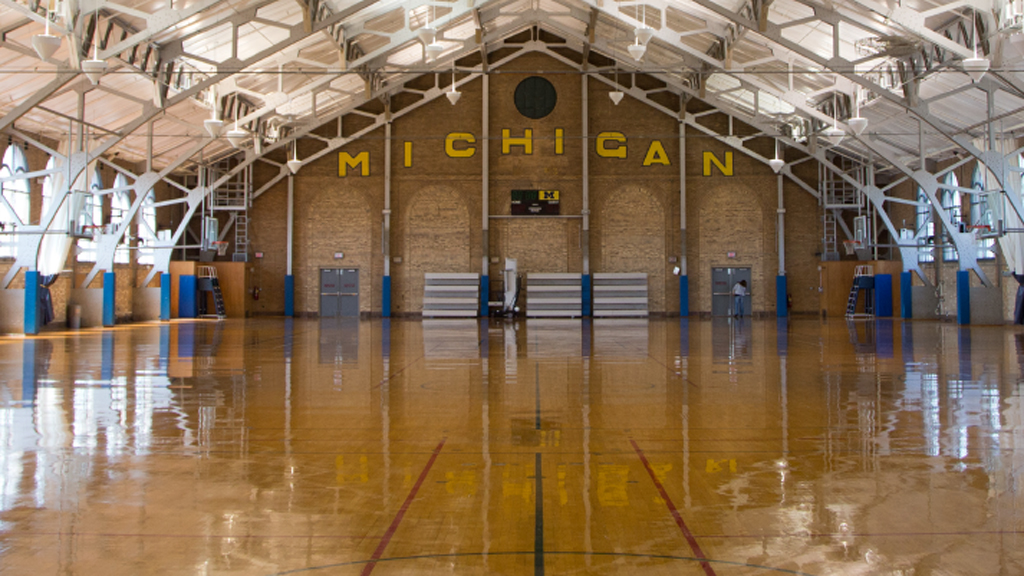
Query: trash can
x=74 y=316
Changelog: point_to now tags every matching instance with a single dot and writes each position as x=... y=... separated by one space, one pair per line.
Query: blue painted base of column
x=188 y=297
x=906 y=295
x=883 y=295
x=31 y=302
x=289 y=295
x=485 y=295
x=684 y=295
x=165 y=296
x=963 y=297
x=109 y=300
x=587 y=307
x=385 y=304
x=781 y=296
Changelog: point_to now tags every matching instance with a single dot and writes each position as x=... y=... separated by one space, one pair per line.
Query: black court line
x=538 y=522
x=555 y=553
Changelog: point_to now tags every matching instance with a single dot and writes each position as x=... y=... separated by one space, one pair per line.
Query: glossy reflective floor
x=667 y=446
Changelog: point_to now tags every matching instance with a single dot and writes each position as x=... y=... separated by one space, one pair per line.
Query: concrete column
x=684 y=280
x=385 y=307
x=485 y=200
x=585 y=240
x=289 y=278
x=109 y=298
x=781 y=288
x=31 y=319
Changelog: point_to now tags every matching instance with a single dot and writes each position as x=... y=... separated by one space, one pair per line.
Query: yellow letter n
x=346 y=161
x=709 y=158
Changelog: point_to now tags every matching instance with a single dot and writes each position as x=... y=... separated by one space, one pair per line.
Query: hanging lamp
x=94 y=67
x=46 y=44
x=858 y=123
x=776 y=163
x=454 y=95
x=975 y=67
x=295 y=164
x=835 y=134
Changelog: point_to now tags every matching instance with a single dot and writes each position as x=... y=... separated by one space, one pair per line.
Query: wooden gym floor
x=668 y=446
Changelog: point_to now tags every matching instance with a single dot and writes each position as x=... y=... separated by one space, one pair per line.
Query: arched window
x=925 y=229
x=120 y=203
x=147 y=229
x=981 y=214
x=91 y=217
x=951 y=203
x=15 y=209
x=48 y=181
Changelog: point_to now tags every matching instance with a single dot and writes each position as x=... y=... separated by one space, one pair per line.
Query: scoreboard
x=535 y=203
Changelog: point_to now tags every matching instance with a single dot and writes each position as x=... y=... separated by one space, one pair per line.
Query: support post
x=485 y=197
x=781 y=289
x=963 y=297
x=684 y=280
x=165 y=296
x=587 y=302
x=31 y=320
x=906 y=295
x=385 y=304
x=109 y=298
x=289 y=278
x=188 y=303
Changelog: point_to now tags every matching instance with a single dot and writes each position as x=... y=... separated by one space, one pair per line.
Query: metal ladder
x=241 y=253
x=828 y=238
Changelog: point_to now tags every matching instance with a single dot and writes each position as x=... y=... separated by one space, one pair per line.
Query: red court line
x=675 y=513
x=401 y=512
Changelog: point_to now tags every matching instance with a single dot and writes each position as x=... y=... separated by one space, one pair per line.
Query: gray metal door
x=349 y=292
x=330 y=293
x=722 y=281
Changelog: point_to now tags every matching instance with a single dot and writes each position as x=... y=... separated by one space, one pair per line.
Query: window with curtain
x=90 y=217
x=981 y=214
x=147 y=229
x=925 y=228
x=951 y=203
x=15 y=211
x=120 y=203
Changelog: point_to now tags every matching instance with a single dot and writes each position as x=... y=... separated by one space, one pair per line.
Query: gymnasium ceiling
x=284 y=67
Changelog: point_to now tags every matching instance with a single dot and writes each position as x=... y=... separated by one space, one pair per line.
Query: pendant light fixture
x=94 y=67
x=616 y=95
x=46 y=44
x=974 y=66
x=637 y=49
x=237 y=136
x=428 y=35
x=454 y=95
x=776 y=163
x=835 y=134
x=858 y=123
x=213 y=124
x=295 y=164
x=643 y=32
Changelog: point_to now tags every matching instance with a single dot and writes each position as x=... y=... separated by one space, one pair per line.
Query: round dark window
x=535 y=97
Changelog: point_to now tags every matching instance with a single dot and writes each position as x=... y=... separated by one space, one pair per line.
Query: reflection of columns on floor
x=107 y=357
x=485 y=430
x=28 y=371
x=587 y=508
x=288 y=348
x=385 y=407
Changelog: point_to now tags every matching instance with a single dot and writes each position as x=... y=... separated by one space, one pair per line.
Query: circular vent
x=535 y=97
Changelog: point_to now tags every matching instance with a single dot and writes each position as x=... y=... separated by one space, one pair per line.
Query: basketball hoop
x=221 y=247
x=980 y=230
x=851 y=246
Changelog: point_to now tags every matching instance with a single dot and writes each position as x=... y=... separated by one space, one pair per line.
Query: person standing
x=739 y=291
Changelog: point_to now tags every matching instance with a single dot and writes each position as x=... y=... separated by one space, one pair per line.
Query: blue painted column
x=289 y=295
x=165 y=296
x=963 y=297
x=684 y=295
x=883 y=295
x=109 y=300
x=587 y=294
x=32 y=302
x=188 y=297
x=906 y=295
x=781 y=303
x=485 y=295
x=385 y=305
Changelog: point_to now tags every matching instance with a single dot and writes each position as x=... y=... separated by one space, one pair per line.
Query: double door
x=339 y=292
x=722 y=282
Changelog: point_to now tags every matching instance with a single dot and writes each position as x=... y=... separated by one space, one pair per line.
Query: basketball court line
x=401 y=512
x=690 y=539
